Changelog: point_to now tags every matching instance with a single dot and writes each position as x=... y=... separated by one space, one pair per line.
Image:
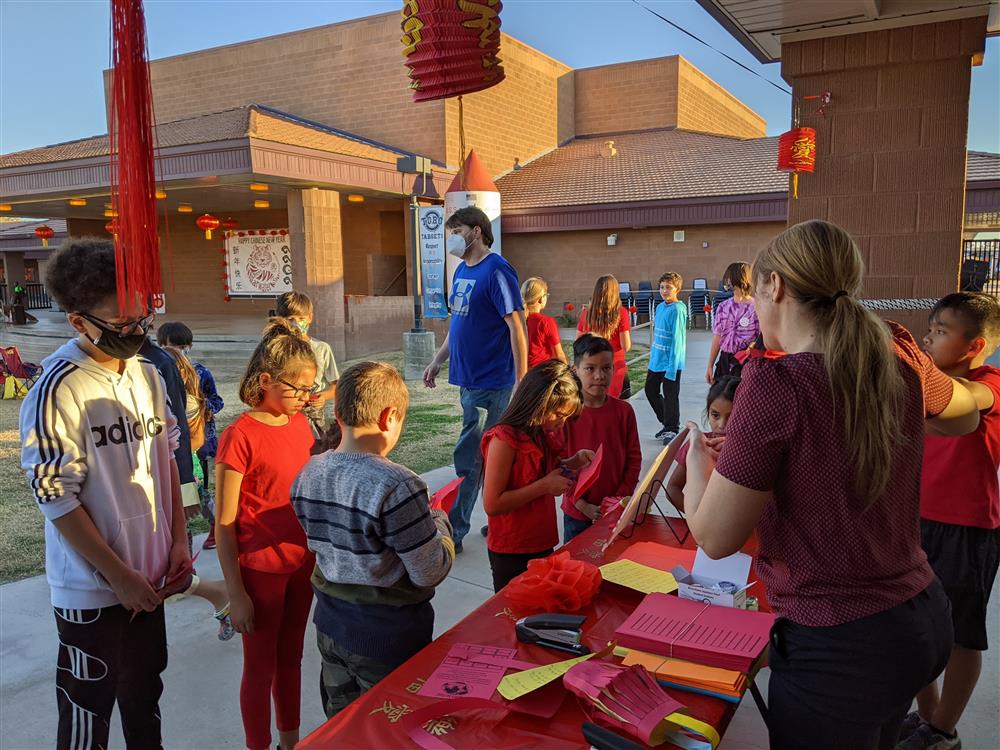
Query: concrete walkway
x=200 y=703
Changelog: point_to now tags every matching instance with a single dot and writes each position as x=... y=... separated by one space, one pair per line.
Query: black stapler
x=560 y=632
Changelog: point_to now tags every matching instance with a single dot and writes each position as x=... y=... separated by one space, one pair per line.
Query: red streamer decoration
x=133 y=167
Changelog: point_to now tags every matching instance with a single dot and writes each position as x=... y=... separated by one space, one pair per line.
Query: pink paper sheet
x=682 y=629
x=471 y=671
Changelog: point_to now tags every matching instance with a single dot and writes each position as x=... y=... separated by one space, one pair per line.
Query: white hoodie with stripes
x=94 y=438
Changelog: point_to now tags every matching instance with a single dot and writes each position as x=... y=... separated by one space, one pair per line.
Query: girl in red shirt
x=823 y=457
x=544 y=342
x=262 y=547
x=607 y=318
x=523 y=472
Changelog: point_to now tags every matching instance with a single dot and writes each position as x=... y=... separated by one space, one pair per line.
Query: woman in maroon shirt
x=823 y=456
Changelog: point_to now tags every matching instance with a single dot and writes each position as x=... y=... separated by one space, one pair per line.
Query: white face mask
x=457 y=245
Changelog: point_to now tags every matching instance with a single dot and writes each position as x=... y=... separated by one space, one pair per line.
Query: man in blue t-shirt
x=487 y=344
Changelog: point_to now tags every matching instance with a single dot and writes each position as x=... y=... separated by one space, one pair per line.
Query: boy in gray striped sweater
x=380 y=549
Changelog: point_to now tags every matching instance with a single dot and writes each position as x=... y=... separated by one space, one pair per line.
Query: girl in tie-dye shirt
x=735 y=324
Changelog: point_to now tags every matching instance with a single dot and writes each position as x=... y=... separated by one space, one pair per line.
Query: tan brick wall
x=372 y=228
x=627 y=96
x=705 y=107
x=349 y=75
x=571 y=261
x=520 y=117
x=890 y=164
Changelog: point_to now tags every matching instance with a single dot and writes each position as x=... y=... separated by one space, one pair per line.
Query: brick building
x=303 y=131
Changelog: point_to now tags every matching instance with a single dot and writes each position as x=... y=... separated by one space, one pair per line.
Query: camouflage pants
x=345 y=676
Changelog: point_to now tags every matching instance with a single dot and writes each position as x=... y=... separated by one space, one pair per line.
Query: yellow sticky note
x=513 y=686
x=639 y=577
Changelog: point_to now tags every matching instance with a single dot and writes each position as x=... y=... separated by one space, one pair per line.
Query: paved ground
x=200 y=703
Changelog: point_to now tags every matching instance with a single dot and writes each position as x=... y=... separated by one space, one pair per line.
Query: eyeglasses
x=128 y=328
x=299 y=391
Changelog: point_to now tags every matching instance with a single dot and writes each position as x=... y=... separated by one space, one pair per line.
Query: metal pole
x=418 y=292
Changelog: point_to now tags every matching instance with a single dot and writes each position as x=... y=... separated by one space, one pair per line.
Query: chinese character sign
x=433 y=270
x=259 y=263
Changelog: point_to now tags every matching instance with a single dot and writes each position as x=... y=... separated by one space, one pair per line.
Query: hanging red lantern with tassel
x=207 y=222
x=229 y=224
x=133 y=169
x=45 y=233
x=451 y=46
x=797 y=153
x=111 y=228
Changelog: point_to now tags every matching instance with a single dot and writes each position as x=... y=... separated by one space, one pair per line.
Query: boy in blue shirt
x=666 y=358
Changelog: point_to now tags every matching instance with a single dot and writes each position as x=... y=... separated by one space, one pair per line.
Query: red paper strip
x=445 y=497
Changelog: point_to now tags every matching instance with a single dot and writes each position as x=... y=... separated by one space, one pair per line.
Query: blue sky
x=52 y=52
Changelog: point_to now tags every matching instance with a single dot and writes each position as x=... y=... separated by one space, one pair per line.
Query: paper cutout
x=588 y=475
x=640 y=577
x=469 y=671
x=643 y=494
x=445 y=497
x=513 y=686
x=682 y=629
x=659 y=556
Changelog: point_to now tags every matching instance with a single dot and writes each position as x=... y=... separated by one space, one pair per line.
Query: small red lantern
x=797 y=153
x=111 y=228
x=570 y=307
x=45 y=233
x=241 y=234
x=207 y=222
x=229 y=223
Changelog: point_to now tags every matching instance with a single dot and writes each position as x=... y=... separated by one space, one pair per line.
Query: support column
x=891 y=158
x=13 y=270
x=314 y=227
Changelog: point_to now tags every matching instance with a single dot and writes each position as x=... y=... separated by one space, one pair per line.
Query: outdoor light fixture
x=612 y=240
x=77 y=201
x=259 y=187
x=110 y=213
x=355 y=198
x=6 y=207
x=261 y=204
x=161 y=195
x=184 y=208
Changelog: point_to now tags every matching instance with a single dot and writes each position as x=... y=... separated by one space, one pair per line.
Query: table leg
x=758 y=699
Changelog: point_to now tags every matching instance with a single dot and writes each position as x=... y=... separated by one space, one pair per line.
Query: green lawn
x=432 y=426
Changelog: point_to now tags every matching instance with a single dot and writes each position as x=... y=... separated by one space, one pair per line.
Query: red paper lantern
x=111 y=228
x=451 y=46
x=207 y=222
x=570 y=307
x=797 y=153
x=230 y=223
x=45 y=233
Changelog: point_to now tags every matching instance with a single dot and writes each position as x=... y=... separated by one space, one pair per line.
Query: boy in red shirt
x=960 y=511
x=605 y=420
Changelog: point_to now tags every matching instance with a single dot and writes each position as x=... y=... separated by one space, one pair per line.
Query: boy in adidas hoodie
x=98 y=444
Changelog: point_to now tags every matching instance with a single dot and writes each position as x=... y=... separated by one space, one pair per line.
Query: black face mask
x=116 y=344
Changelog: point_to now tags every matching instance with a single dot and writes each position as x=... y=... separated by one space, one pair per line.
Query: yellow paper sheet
x=639 y=577
x=513 y=686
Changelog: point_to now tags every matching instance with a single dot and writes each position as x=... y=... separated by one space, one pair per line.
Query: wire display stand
x=647 y=499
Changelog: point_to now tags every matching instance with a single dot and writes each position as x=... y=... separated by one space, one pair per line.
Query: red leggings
x=272 y=654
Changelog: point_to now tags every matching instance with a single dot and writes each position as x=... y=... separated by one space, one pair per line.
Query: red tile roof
x=660 y=165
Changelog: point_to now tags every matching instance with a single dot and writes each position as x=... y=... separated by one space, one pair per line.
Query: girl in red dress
x=605 y=317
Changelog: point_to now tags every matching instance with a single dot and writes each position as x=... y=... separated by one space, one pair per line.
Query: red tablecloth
x=374 y=721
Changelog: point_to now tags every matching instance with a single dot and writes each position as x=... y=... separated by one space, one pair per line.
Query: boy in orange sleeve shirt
x=960 y=511
x=605 y=420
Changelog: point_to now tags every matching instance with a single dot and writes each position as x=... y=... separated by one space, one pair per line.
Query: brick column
x=318 y=260
x=890 y=166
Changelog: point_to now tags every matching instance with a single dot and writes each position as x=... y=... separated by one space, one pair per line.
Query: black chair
x=699 y=299
x=644 y=299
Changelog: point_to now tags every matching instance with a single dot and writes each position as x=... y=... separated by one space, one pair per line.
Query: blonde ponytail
x=282 y=351
x=822 y=269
